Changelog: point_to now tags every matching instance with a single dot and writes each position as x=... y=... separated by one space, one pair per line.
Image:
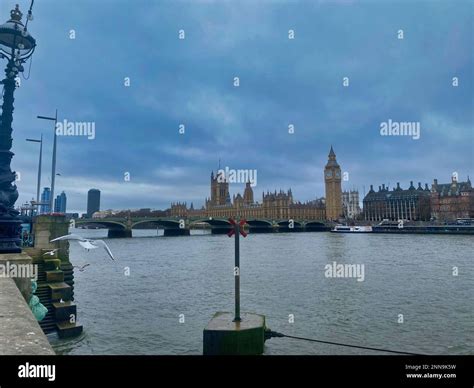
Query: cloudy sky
x=282 y=81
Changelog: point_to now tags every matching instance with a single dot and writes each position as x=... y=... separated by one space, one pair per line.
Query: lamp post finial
x=16 y=14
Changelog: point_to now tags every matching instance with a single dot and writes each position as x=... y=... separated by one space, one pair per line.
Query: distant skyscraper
x=45 y=199
x=60 y=203
x=93 y=202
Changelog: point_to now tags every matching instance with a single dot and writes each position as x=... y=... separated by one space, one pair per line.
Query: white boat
x=351 y=229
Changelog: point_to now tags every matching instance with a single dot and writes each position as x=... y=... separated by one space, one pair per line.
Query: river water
x=283 y=276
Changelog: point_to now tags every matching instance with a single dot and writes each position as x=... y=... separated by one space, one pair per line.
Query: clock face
x=338 y=174
x=328 y=174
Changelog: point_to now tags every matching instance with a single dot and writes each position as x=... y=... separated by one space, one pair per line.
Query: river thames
x=176 y=279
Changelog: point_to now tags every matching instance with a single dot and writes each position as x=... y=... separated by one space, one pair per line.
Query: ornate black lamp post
x=16 y=45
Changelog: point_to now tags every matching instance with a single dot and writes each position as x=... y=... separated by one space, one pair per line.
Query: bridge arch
x=103 y=223
x=287 y=223
x=215 y=222
x=290 y=226
x=164 y=223
x=315 y=223
x=218 y=225
x=170 y=227
x=260 y=223
x=116 y=228
x=317 y=226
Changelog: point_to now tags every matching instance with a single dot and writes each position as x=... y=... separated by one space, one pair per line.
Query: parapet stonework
x=18 y=267
x=20 y=334
x=47 y=227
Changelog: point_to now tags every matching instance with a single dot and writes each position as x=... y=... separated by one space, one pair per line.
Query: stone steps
x=64 y=311
x=60 y=291
x=56 y=276
x=67 y=329
x=55 y=283
x=51 y=264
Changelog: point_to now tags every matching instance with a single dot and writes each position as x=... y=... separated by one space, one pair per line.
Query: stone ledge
x=20 y=333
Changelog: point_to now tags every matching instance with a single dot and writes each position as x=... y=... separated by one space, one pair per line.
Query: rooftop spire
x=332 y=162
x=332 y=153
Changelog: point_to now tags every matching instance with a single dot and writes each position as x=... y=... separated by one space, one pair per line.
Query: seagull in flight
x=51 y=253
x=81 y=269
x=86 y=243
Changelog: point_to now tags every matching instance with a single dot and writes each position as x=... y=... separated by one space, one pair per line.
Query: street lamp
x=38 y=187
x=53 y=167
x=16 y=46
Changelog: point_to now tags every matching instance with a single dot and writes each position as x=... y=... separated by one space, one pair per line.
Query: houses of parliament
x=277 y=205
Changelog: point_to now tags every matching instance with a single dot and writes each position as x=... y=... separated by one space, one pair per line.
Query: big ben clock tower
x=332 y=179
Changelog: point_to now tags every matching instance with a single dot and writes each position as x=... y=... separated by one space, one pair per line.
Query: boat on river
x=351 y=229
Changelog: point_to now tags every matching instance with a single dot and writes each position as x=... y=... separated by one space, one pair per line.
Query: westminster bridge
x=176 y=226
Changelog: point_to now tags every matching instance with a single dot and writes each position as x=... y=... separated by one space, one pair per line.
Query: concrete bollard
x=222 y=336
